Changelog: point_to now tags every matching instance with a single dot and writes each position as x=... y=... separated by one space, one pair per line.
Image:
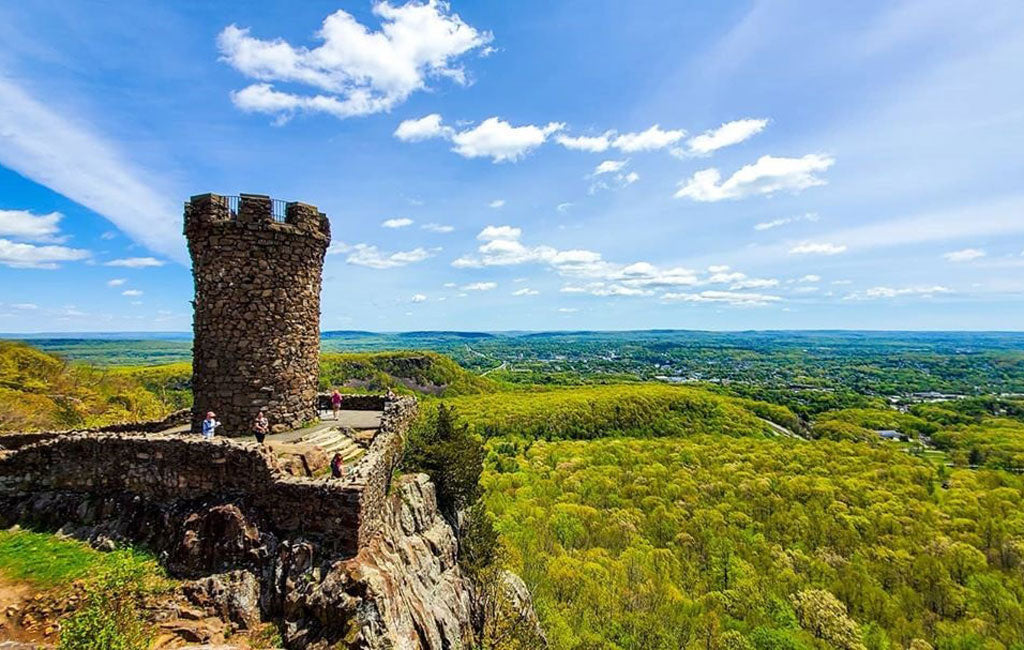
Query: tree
x=824 y=616
x=444 y=449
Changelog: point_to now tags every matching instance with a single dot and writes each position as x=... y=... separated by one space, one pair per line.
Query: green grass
x=47 y=561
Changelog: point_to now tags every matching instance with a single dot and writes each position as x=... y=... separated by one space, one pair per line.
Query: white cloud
x=609 y=166
x=362 y=71
x=500 y=141
x=400 y=222
x=131 y=292
x=480 y=286
x=372 y=257
x=725 y=135
x=567 y=310
x=965 y=255
x=526 y=291
x=766 y=176
x=29 y=256
x=890 y=292
x=728 y=297
x=496 y=203
x=810 y=277
x=25 y=306
x=564 y=207
x=135 y=262
x=754 y=283
x=630 y=178
x=72 y=160
x=593 y=144
x=116 y=282
x=775 y=223
x=649 y=140
x=812 y=248
x=424 y=128
x=436 y=227
x=491 y=233
x=23 y=224
x=419 y=297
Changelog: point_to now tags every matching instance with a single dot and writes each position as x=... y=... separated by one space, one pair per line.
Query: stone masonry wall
x=167 y=469
x=257 y=310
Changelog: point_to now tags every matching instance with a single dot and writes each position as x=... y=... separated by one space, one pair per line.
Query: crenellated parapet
x=257 y=265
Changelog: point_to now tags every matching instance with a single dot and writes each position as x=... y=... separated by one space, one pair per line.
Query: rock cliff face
x=404 y=590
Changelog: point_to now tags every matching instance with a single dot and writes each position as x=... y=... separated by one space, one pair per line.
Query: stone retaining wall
x=170 y=470
x=9 y=441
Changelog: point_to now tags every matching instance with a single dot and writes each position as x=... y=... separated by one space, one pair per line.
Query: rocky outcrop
x=404 y=590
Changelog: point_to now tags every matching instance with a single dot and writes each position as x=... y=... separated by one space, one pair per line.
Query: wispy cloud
x=775 y=223
x=892 y=292
x=400 y=222
x=817 y=248
x=135 y=262
x=437 y=227
x=480 y=286
x=73 y=160
x=965 y=255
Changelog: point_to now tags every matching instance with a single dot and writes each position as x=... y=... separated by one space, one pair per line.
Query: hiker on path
x=335 y=402
x=210 y=425
x=338 y=466
x=260 y=427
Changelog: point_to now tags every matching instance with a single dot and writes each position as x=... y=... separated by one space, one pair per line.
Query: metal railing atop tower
x=278 y=208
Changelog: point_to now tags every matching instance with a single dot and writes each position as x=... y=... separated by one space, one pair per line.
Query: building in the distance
x=257 y=265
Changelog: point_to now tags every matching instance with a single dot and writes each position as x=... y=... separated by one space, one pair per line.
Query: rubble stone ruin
x=257 y=265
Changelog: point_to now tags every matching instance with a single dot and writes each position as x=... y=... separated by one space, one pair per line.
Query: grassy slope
x=47 y=561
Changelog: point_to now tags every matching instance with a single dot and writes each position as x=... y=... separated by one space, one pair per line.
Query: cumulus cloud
x=72 y=160
x=775 y=223
x=498 y=140
x=419 y=297
x=135 y=262
x=23 y=224
x=965 y=255
x=768 y=175
x=525 y=291
x=357 y=71
x=491 y=233
x=437 y=227
x=649 y=140
x=609 y=167
x=812 y=248
x=725 y=135
x=891 y=292
x=739 y=299
x=423 y=128
x=371 y=257
x=480 y=286
x=496 y=203
x=400 y=222
x=20 y=255
x=593 y=144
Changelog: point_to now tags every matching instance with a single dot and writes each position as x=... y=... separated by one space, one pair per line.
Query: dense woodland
x=742 y=514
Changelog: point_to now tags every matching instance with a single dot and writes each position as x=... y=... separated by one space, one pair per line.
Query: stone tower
x=257 y=265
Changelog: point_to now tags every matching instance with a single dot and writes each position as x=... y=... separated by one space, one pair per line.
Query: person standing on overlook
x=335 y=402
x=210 y=425
x=260 y=427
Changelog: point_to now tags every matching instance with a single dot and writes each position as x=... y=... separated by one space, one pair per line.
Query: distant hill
x=426 y=373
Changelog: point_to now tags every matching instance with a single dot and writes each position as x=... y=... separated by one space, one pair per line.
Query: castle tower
x=257 y=266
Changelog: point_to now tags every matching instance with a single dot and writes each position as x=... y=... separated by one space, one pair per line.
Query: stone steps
x=333 y=441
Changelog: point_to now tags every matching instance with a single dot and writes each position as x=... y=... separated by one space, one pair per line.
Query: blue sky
x=527 y=165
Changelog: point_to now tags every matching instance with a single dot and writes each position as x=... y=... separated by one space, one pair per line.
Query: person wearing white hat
x=210 y=425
